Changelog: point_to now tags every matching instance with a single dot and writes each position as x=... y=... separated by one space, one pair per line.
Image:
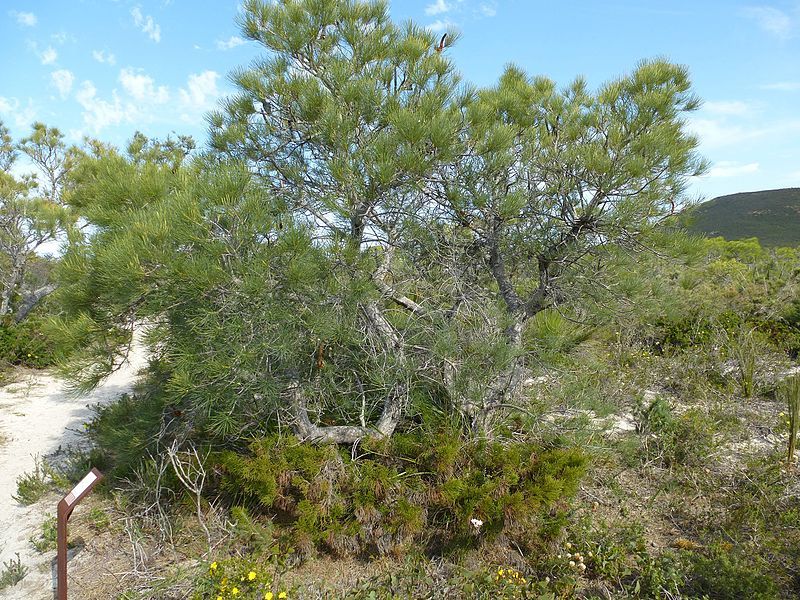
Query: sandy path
x=38 y=416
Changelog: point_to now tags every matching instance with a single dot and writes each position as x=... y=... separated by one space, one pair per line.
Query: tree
x=31 y=213
x=369 y=237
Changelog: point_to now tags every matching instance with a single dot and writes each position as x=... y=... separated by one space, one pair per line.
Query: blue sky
x=107 y=68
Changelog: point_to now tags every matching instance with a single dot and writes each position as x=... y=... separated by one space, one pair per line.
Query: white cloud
x=438 y=7
x=25 y=19
x=102 y=56
x=732 y=169
x=142 y=87
x=715 y=133
x=727 y=107
x=782 y=86
x=146 y=24
x=62 y=80
x=98 y=113
x=439 y=25
x=48 y=56
x=199 y=95
x=772 y=20
x=231 y=42
x=489 y=10
x=13 y=110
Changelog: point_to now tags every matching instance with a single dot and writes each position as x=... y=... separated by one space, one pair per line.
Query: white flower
x=476 y=523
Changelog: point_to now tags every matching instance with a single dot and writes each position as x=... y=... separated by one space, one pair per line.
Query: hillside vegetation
x=772 y=216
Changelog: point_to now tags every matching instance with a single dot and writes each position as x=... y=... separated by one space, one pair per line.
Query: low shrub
x=437 y=491
x=674 y=440
x=238 y=578
x=721 y=574
x=26 y=344
x=13 y=572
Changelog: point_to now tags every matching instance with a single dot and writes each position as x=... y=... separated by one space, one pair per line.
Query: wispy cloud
x=104 y=57
x=774 y=21
x=13 y=110
x=732 y=169
x=437 y=8
x=489 y=9
x=26 y=19
x=728 y=107
x=440 y=25
x=48 y=56
x=62 y=80
x=231 y=42
x=782 y=86
x=146 y=24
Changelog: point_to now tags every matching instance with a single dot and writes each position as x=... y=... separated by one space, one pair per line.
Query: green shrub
x=124 y=431
x=13 y=572
x=412 y=490
x=790 y=391
x=238 y=578
x=46 y=539
x=724 y=575
x=26 y=344
x=683 y=440
x=33 y=485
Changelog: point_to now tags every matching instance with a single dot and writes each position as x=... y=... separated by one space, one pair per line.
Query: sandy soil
x=40 y=417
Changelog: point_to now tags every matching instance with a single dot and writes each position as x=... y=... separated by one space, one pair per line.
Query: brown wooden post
x=65 y=508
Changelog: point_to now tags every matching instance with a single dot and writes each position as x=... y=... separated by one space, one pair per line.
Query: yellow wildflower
x=268 y=596
x=282 y=595
x=251 y=575
x=235 y=591
x=213 y=567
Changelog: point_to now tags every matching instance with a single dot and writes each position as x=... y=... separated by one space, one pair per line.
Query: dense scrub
x=430 y=492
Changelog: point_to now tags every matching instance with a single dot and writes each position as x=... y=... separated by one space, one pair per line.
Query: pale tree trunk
x=8 y=290
x=30 y=301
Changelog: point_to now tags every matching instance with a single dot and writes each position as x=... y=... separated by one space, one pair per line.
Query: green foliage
x=790 y=392
x=744 y=350
x=124 y=433
x=27 y=344
x=400 y=253
x=13 y=572
x=238 y=578
x=683 y=440
x=409 y=491
x=33 y=485
x=414 y=580
x=721 y=574
x=620 y=556
x=47 y=537
x=551 y=332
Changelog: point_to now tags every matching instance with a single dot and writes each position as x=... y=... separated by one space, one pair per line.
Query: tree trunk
x=393 y=407
x=30 y=301
x=9 y=289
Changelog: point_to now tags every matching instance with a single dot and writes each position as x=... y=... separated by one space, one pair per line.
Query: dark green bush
x=414 y=489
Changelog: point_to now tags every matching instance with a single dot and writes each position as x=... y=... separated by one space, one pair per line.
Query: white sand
x=39 y=416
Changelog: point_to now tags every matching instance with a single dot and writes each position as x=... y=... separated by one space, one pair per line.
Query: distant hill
x=772 y=216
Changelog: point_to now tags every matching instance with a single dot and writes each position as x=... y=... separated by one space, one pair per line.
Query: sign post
x=65 y=508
